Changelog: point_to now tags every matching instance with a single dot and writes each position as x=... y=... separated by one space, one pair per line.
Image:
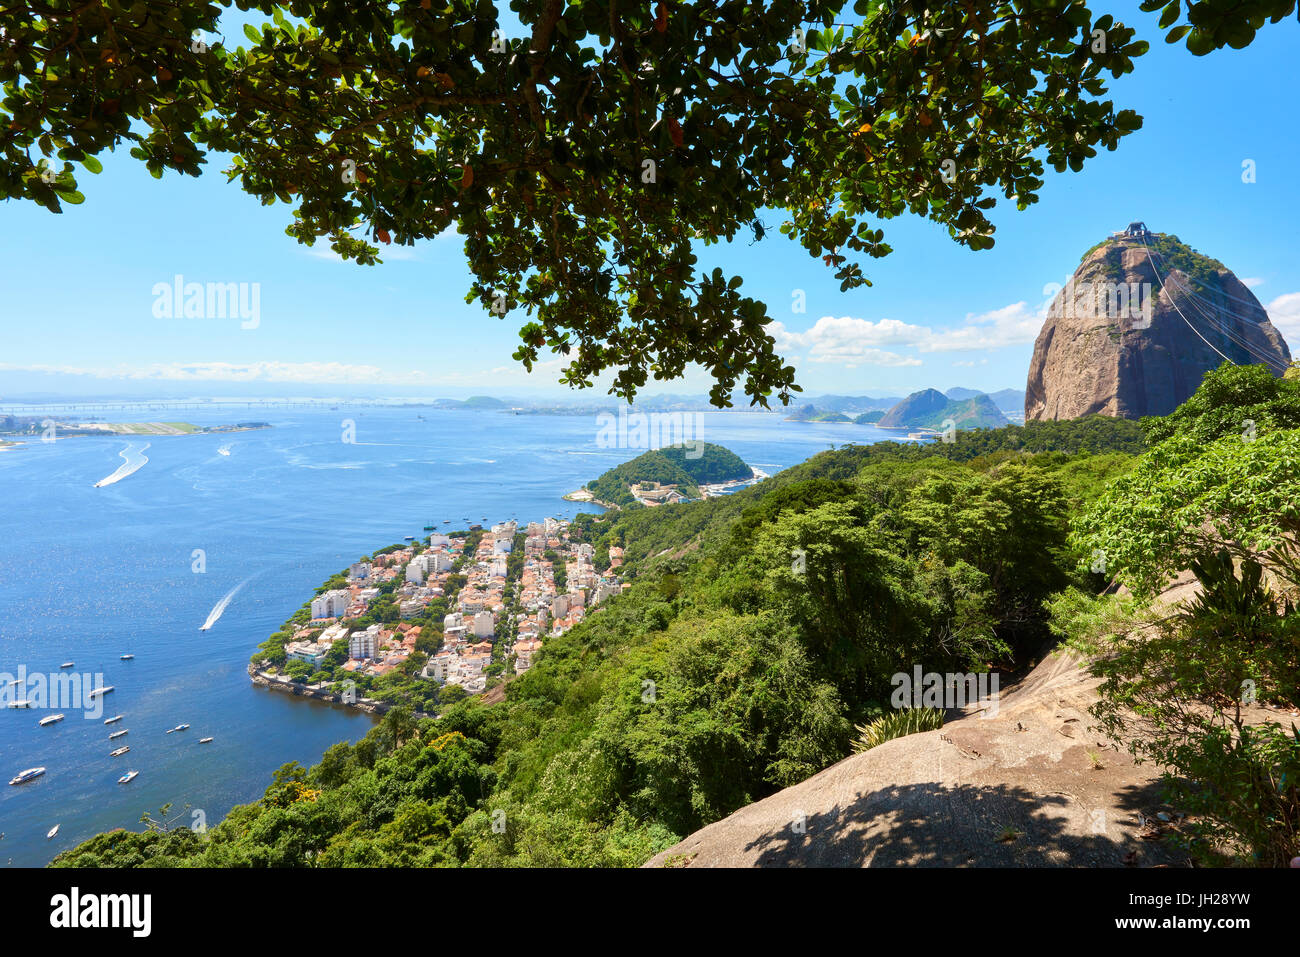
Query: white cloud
x=1284 y=312
x=971 y=363
x=285 y=372
x=1250 y=282
x=238 y=372
x=851 y=341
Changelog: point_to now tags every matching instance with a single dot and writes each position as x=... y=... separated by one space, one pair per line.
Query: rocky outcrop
x=1141 y=322
x=1031 y=785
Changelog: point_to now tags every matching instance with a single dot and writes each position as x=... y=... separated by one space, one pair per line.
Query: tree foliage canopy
x=587 y=163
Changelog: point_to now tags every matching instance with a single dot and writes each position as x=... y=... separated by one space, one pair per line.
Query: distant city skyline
x=81 y=314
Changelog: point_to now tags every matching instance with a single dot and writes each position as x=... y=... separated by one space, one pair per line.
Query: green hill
x=930 y=409
x=687 y=466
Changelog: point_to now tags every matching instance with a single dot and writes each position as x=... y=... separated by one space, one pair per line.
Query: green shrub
x=896 y=724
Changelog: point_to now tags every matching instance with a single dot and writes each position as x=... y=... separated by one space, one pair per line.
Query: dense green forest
x=687 y=465
x=762 y=626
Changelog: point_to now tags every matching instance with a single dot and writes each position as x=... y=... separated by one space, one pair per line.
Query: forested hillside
x=760 y=628
x=686 y=466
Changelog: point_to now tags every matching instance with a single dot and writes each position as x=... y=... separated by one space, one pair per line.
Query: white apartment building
x=310 y=652
x=441 y=667
x=484 y=624
x=332 y=604
x=364 y=644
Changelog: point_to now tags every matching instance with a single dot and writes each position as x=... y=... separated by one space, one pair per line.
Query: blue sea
x=136 y=565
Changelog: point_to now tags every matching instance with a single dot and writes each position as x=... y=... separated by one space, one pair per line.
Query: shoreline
x=585 y=497
x=726 y=488
x=370 y=706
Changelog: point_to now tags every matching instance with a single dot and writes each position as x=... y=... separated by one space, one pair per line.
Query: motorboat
x=118 y=753
x=52 y=832
x=68 y=664
x=113 y=720
x=205 y=740
x=126 y=657
x=128 y=777
x=22 y=777
x=179 y=727
x=52 y=719
x=96 y=692
x=116 y=734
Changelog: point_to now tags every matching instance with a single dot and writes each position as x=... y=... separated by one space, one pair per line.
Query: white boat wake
x=129 y=465
x=219 y=608
x=224 y=450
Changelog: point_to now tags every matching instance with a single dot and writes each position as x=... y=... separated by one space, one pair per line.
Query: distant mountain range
x=928 y=409
x=932 y=409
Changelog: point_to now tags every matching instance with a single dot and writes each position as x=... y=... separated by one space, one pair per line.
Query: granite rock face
x=1140 y=323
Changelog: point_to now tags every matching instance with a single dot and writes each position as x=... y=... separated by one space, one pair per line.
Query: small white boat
x=128 y=777
x=113 y=720
x=16 y=681
x=96 y=692
x=20 y=704
x=179 y=727
x=68 y=664
x=51 y=832
x=205 y=740
x=24 y=776
x=126 y=657
x=51 y=719
x=118 y=753
x=116 y=734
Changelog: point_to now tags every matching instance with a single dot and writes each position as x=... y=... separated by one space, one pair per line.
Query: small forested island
x=755 y=640
x=672 y=474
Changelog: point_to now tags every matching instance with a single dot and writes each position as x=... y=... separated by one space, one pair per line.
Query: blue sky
x=77 y=306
